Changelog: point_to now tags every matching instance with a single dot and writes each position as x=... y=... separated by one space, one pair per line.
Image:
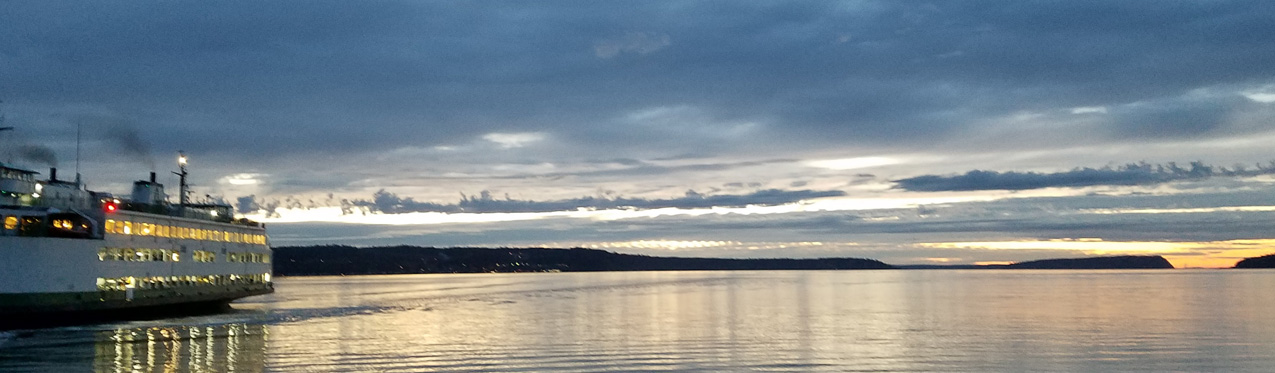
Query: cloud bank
x=1126 y=175
x=390 y=203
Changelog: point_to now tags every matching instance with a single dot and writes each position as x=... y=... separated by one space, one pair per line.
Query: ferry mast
x=184 y=191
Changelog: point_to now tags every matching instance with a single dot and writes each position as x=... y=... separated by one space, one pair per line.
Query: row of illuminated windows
x=24 y=225
x=247 y=258
x=165 y=255
x=168 y=282
x=138 y=255
x=166 y=231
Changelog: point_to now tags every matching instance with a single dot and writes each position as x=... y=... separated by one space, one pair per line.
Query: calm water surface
x=701 y=321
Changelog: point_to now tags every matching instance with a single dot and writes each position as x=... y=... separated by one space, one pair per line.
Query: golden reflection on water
x=213 y=348
x=1182 y=254
x=789 y=321
x=797 y=321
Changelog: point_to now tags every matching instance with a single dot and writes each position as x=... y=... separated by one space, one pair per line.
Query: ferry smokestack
x=152 y=177
x=53 y=174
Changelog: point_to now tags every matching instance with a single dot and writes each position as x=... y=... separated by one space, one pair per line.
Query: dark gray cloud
x=349 y=78
x=1130 y=174
x=647 y=169
x=244 y=205
x=1178 y=117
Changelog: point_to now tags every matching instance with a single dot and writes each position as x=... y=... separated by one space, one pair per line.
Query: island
x=1265 y=261
x=1102 y=262
x=1098 y=262
x=349 y=260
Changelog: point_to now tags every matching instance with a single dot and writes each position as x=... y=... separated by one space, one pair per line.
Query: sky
x=912 y=132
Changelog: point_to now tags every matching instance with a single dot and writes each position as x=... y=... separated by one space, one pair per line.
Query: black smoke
x=39 y=154
x=130 y=143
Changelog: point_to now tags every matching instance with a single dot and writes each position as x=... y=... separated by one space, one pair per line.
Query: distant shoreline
x=326 y=260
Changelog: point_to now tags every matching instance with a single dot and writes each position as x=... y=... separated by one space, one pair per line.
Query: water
x=701 y=321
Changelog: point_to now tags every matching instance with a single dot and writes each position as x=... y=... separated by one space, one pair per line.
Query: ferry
x=65 y=250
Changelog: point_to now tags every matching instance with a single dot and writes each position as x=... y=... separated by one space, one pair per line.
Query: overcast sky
x=907 y=131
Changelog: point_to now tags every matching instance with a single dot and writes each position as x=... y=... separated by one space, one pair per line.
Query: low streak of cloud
x=390 y=203
x=633 y=42
x=386 y=202
x=1126 y=175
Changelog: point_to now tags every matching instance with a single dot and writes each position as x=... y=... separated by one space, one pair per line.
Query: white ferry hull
x=128 y=271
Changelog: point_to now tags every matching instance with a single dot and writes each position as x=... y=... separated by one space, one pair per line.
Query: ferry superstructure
x=64 y=249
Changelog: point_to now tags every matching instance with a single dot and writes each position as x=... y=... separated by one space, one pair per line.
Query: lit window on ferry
x=204 y=256
x=128 y=227
x=10 y=223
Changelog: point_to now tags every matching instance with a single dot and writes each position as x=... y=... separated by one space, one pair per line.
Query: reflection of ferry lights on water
x=215 y=348
x=66 y=249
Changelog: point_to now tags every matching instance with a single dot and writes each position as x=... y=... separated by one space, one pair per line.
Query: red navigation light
x=110 y=207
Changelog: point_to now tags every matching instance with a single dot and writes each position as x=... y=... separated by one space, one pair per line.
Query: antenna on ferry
x=79 y=128
x=184 y=199
x=2 y=118
x=2 y=129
